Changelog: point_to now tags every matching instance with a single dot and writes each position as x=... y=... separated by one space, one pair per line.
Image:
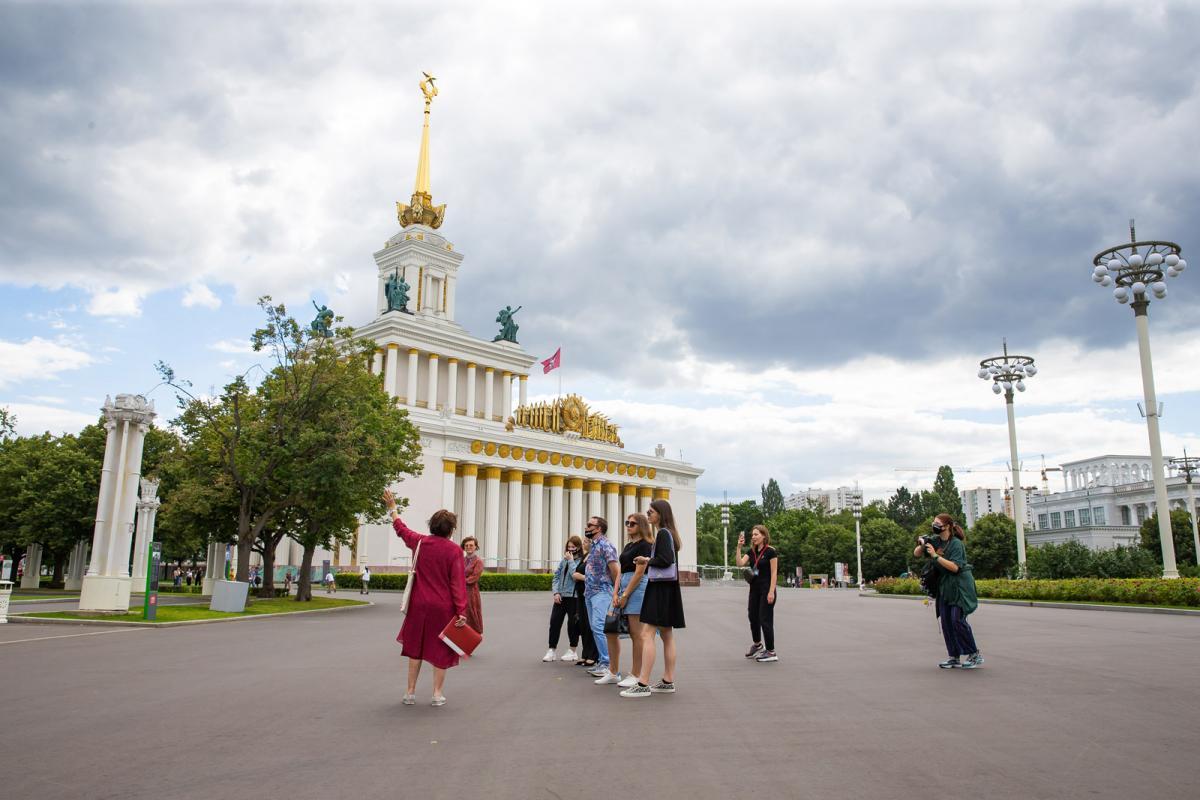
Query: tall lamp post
x=1008 y=372
x=1137 y=268
x=725 y=574
x=856 y=509
x=1187 y=465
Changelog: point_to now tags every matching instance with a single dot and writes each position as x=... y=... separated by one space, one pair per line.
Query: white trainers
x=637 y=690
x=625 y=683
x=550 y=655
x=570 y=656
x=438 y=700
x=409 y=700
x=608 y=678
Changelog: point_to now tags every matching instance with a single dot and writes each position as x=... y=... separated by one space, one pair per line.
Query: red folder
x=462 y=640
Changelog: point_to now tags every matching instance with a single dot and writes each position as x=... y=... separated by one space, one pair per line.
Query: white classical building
x=1105 y=501
x=521 y=478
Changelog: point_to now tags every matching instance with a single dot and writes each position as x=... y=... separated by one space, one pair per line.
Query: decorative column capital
x=449 y=465
x=535 y=478
x=629 y=490
x=468 y=470
x=492 y=473
x=594 y=486
x=574 y=483
x=514 y=475
x=554 y=481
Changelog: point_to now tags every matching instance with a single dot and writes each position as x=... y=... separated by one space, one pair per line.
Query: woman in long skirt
x=473 y=565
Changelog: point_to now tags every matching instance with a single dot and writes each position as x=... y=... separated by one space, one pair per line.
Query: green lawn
x=185 y=613
x=30 y=596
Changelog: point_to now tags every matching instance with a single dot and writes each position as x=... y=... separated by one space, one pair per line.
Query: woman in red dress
x=439 y=594
x=473 y=565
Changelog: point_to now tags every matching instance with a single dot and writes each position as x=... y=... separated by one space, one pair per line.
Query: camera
x=931 y=539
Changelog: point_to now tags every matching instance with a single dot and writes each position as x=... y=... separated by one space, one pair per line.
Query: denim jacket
x=564 y=583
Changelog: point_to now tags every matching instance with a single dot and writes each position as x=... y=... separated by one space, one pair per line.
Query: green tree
x=826 y=544
x=944 y=499
x=1181 y=532
x=1071 y=559
x=772 y=498
x=8 y=423
x=904 y=508
x=992 y=546
x=886 y=548
x=789 y=529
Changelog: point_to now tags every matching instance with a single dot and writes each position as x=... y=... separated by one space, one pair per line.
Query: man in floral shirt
x=601 y=571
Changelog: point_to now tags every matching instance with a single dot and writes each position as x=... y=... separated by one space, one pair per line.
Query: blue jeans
x=599 y=604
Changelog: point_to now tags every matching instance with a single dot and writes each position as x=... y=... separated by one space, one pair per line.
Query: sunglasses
x=630 y=524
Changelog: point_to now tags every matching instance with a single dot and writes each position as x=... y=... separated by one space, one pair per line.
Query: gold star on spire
x=421 y=210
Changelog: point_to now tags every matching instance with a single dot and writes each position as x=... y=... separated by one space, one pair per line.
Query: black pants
x=762 y=617
x=960 y=639
x=590 y=653
x=558 y=611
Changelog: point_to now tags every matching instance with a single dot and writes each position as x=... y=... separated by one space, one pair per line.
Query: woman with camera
x=762 y=573
x=955 y=591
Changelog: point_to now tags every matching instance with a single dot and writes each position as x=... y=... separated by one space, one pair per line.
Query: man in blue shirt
x=601 y=571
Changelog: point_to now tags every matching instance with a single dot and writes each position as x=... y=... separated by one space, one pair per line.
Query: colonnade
x=522 y=517
x=430 y=383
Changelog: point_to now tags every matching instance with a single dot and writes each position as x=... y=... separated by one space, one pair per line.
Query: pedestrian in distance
x=177 y=578
x=365 y=578
x=438 y=596
x=601 y=574
x=287 y=583
x=329 y=583
x=761 y=564
x=473 y=566
x=563 y=590
x=662 y=606
x=587 y=651
x=956 y=597
x=628 y=597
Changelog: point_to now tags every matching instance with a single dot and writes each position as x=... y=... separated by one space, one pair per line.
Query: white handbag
x=412 y=576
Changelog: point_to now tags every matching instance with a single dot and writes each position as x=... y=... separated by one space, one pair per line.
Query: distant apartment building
x=981 y=501
x=833 y=500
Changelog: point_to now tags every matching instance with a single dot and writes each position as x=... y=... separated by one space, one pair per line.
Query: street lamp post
x=856 y=509
x=1187 y=465
x=1008 y=372
x=1137 y=268
x=725 y=575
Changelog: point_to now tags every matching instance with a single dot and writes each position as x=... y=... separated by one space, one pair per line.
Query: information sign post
x=150 y=603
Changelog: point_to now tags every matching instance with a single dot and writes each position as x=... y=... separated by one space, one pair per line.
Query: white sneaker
x=608 y=678
x=570 y=656
x=625 y=683
x=550 y=655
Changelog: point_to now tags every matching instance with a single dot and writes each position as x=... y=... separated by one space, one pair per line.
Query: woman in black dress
x=662 y=607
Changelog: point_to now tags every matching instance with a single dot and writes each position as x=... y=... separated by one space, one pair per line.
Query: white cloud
x=39 y=359
x=36 y=419
x=121 y=301
x=241 y=347
x=200 y=295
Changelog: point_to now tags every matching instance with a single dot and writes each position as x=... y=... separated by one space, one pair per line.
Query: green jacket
x=957 y=588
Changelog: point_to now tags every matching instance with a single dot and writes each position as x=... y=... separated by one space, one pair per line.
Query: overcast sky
x=777 y=239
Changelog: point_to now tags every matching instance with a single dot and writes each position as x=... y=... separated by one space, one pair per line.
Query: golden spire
x=421 y=210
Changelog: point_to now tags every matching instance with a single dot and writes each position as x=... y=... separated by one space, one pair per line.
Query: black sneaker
x=754 y=648
x=950 y=663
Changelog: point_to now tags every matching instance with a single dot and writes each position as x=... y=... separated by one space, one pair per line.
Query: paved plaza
x=1071 y=703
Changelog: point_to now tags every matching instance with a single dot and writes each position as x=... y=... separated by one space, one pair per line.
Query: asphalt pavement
x=1070 y=703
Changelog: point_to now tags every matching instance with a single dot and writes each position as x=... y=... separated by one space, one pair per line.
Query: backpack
x=930 y=578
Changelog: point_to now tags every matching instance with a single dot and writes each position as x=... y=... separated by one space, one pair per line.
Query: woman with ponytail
x=956 y=591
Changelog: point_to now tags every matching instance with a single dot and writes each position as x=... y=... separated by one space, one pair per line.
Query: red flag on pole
x=553 y=362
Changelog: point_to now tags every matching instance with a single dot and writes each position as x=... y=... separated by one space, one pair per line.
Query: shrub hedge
x=1142 y=591
x=488 y=582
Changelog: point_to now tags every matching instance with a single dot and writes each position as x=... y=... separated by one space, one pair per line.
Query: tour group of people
x=606 y=597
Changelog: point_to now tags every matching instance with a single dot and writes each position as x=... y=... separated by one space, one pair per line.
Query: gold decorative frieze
x=568 y=415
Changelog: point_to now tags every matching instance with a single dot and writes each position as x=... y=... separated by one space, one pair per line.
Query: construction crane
x=1044 y=470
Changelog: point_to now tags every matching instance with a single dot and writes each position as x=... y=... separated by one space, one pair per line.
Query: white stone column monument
x=513 y=533
x=106 y=585
x=147 y=509
x=32 y=578
x=76 y=566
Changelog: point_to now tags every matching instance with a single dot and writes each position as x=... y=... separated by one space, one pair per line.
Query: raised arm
x=410 y=537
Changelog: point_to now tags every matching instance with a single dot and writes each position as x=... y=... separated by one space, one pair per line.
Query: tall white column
x=513 y=535
x=489 y=392
x=76 y=567
x=644 y=495
x=391 y=375
x=147 y=509
x=466 y=522
x=506 y=381
x=449 y=472
x=1167 y=541
x=1018 y=492
x=471 y=389
x=594 y=505
x=491 y=517
x=524 y=396
x=575 y=506
x=557 y=539
x=32 y=578
x=412 y=377
x=452 y=386
x=612 y=512
x=377 y=363
x=629 y=496
x=106 y=588
x=432 y=393
x=537 y=528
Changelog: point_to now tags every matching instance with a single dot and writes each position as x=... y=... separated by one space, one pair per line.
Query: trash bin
x=5 y=594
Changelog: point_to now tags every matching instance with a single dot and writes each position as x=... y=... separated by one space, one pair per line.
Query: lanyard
x=757 y=558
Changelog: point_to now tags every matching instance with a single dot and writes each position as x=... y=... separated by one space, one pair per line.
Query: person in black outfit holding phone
x=762 y=573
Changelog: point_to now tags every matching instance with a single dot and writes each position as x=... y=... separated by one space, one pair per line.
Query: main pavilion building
x=521 y=478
